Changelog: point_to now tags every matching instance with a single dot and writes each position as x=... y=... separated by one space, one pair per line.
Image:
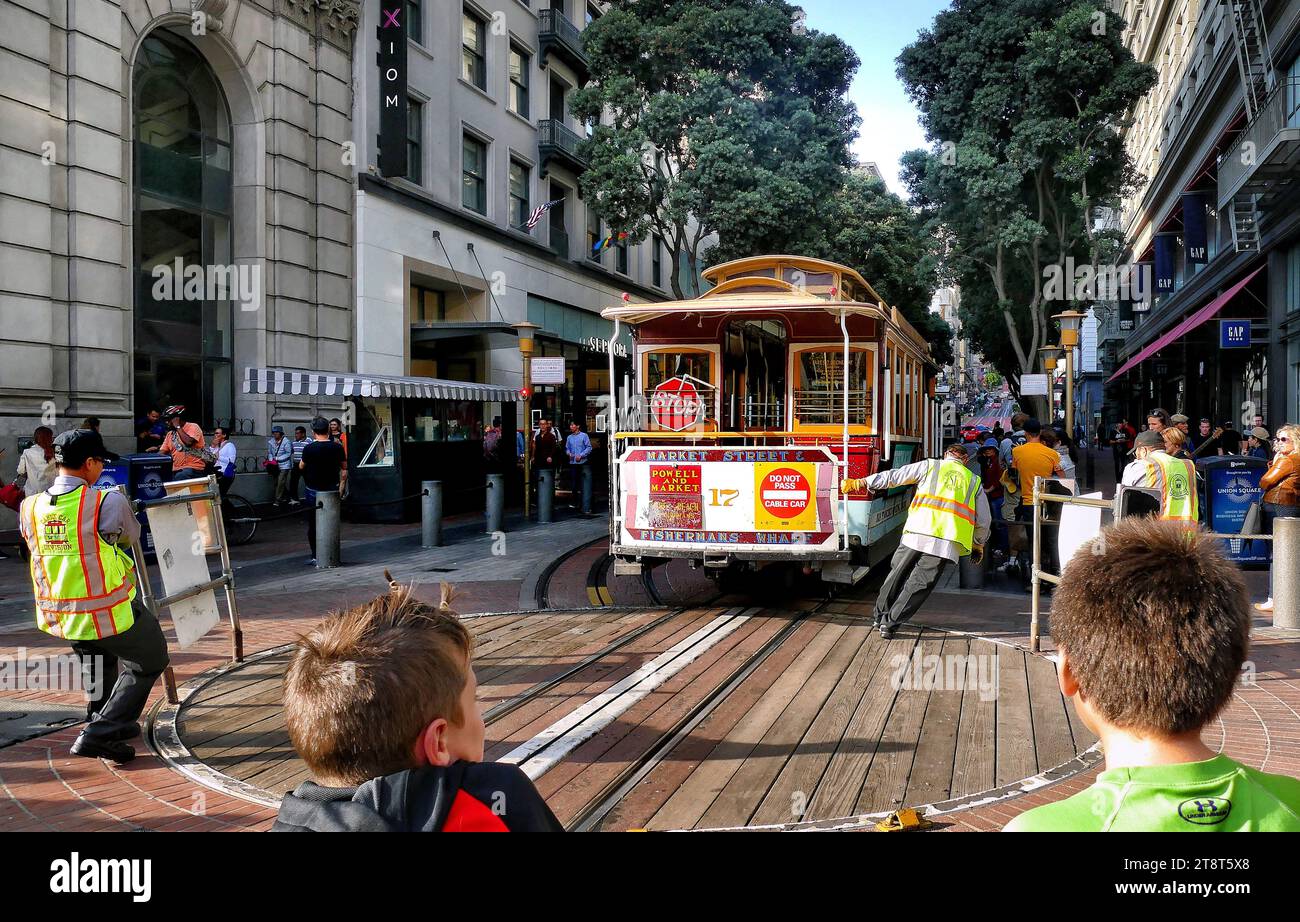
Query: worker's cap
x=1179 y=418
x=1148 y=439
x=77 y=446
x=176 y=409
x=279 y=429
x=1260 y=433
x=957 y=448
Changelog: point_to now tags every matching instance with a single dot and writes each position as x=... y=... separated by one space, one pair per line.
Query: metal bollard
x=545 y=494
x=1286 y=573
x=970 y=575
x=327 y=529
x=431 y=513
x=496 y=502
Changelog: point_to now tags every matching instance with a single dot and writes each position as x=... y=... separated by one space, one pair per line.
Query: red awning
x=1190 y=323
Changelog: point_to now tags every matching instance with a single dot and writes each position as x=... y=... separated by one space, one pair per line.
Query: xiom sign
x=1205 y=811
x=392 y=89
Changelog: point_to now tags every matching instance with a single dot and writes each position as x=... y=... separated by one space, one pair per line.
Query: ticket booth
x=405 y=430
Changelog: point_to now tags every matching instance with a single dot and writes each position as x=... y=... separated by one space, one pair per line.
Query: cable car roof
x=775 y=302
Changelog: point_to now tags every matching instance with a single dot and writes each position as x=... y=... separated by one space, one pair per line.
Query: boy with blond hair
x=380 y=703
x=1148 y=670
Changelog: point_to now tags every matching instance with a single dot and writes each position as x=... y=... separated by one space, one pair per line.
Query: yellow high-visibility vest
x=1178 y=487
x=944 y=504
x=83 y=584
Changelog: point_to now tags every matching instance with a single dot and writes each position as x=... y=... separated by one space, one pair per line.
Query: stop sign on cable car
x=676 y=404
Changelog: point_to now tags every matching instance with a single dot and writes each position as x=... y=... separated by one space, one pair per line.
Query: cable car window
x=752 y=274
x=819 y=399
x=814 y=282
x=660 y=366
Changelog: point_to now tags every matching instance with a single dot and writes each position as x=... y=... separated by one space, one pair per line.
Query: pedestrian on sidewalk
x=578 y=447
x=279 y=455
x=324 y=467
x=948 y=519
x=1281 y=486
x=1121 y=444
x=1158 y=420
x=991 y=472
x=300 y=441
x=1034 y=459
x=184 y=442
x=227 y=458
x=1257 y=444
x=36 y=467
x=84 y=582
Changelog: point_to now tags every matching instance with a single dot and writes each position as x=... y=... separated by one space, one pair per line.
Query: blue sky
x=878 y=30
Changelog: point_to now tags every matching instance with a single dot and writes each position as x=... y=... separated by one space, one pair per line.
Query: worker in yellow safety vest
x=1175 y=478
x=85 y=587
x=948 y=519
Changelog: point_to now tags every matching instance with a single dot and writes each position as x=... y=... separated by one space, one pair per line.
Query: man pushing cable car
x=948 y=519
x=84 y=583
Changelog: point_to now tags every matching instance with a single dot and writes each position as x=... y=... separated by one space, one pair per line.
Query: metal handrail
x=553 y=22
x=552 y=132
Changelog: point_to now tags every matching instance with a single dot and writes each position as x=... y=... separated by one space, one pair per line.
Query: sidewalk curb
x=529 y=586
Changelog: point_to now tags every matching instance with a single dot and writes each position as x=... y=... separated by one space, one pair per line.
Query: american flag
x=536 y=214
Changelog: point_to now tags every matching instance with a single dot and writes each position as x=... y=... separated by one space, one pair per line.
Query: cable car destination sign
x=694 y=497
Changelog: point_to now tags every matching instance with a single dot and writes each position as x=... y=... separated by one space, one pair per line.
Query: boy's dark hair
x=366 y=681
x=1032 y=426
x=302 y=429
x=1156 y=624
x=320 y=425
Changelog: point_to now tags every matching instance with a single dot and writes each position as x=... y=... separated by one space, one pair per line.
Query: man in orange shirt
x=184 y=442
x=1030 y=460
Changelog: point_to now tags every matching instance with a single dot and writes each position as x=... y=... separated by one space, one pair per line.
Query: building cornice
x=427 y=205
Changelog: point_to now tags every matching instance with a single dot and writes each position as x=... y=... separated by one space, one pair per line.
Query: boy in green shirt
x=1148 y=666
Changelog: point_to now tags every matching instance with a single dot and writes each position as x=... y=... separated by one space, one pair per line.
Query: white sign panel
x=1033 y=385
x=1079 y=525
x=548 y=370
x=178 y=540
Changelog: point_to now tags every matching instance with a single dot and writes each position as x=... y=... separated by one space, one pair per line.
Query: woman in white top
x=227 y=456
x=36 y=467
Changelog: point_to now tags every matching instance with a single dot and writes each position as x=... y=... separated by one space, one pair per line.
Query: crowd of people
x=550 y=451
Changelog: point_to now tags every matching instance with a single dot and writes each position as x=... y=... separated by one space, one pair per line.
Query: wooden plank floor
x=236 y=726
x=832 y=722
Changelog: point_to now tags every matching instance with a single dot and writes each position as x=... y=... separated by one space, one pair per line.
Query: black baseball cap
x=75 y=447
x=1148 y=439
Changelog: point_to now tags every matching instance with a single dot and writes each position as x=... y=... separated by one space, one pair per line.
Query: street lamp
x=1070 y=322
x=524 y=330
x=1049 y=355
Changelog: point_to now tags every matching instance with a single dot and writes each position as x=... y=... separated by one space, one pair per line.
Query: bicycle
x=240 y=519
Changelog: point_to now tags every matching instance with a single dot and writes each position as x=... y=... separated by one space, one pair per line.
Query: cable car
x=750 y=404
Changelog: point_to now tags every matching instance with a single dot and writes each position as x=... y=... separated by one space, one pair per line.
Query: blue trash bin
x=1231 y=485
x=143 y=475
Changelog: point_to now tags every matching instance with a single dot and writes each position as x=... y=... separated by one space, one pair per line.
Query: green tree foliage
x=1023 y=101
x=870 y=229
x=720 y=117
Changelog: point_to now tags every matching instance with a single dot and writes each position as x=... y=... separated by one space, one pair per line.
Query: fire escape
x=1259 y=83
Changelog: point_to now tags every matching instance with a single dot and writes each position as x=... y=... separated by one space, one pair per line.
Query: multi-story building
x=1217 y=142
x=447 y=263
x=137 y=136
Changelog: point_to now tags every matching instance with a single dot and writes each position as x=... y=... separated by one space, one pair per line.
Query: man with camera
x=184 y=442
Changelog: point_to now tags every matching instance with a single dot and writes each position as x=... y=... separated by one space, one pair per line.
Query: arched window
x=182 y=211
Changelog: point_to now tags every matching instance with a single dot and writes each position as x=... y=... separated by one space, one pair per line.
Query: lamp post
x=524 y=330
x=1070 y=323
x=1049 y=355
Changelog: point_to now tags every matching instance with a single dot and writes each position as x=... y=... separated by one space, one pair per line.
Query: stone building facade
x=136 y=133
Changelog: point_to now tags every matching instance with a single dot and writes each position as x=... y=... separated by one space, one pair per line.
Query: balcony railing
x=555 y=33
x=1265 y=157
x=556 y=141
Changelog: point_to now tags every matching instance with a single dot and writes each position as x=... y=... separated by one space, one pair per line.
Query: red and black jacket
x=462 y=797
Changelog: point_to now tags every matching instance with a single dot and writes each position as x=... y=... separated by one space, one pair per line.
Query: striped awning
x=298 y=381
